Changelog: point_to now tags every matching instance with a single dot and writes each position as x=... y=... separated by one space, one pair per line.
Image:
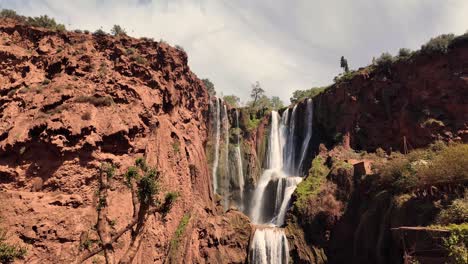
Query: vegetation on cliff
x=9 y=252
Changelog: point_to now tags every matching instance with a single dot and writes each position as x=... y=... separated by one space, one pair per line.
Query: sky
x=285 y=45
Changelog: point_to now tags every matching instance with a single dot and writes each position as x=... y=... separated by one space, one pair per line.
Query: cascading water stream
x=216 y=151
x=240 y=170
x=289 y=150
x=272 y=195
x=305 y=142
x=226 y=175
x=269 y=244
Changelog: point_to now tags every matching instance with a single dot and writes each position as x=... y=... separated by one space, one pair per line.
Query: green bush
x=385 y=60
x=450 y=164
x=117 y=30
x=455 y=213
x=169 y=200
x=11 y=14
x=438 y=44
x=45 y=22
x=148 y=187
x=309 y=188
x=457 y=243
x=99 y=32
x=404 y=53
x=8 y=252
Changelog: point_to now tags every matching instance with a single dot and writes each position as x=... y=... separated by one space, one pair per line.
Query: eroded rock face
x=421 y=99
x=70 y=102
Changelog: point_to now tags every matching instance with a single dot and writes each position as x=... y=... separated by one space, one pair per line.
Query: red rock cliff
x=71 y=101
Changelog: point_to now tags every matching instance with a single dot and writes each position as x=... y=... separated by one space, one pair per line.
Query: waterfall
x=308 y=122
x=269 y=245
x=216 y=150
x=226 y=177
x=289 y=151
x=240 y=170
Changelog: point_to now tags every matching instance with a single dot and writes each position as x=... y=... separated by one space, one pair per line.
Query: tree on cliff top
x=232 y=100
x=298 y=95
x=344 y=64
x=209 y=86
x=276 y=103
x=117 y=30
x=256 y=93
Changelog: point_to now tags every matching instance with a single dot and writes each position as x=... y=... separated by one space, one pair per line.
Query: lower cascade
x=269 y=245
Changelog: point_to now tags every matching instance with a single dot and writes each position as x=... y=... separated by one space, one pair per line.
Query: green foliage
x=385 y=61
x=276 y=103
x=8 y=252
x=256 y=93
x=176 y=146
x=437 y=163
x=148 y=187
x=298 y=95
x=102 y=202
x=45 y=22
x=209 y=86
x=117 y=30
x=438 y=44
x=457 y=243
x=404 y=53
x=310 y=187
x=169 y=200
x=86 y=244
x=132 y=173
x=180 y=231
x=252 y=123
x=40 y=21
x=345 y=77
x=11 y=14
x=96 y=101
x=455 y=213
x=232 y=100
x=108 y=169
x=99 y=32
x=141 y=163
x=450 y=164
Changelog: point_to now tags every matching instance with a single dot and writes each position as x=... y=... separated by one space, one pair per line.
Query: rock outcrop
x=417 y=100
x=72 y=101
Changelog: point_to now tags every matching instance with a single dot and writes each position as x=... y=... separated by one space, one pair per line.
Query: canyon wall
x=71 y=102
x=422 y=98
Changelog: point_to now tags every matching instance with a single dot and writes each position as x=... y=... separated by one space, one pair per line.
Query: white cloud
x=286 y=45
